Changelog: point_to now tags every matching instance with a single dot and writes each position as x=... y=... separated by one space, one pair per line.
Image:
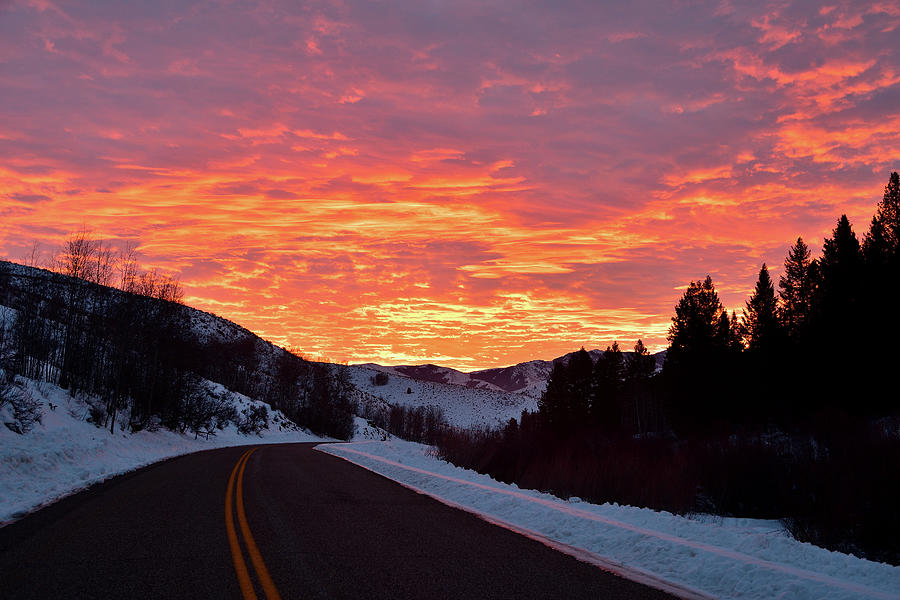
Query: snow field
x=463 y=407
x=690 y=557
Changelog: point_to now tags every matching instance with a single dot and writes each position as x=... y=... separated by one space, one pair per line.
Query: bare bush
x=254 y=419
x=26 y=409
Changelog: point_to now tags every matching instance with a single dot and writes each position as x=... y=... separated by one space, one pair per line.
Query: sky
x=469 y=184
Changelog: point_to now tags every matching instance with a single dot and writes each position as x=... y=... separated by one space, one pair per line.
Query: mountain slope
x=462 y=405
x=527 y=378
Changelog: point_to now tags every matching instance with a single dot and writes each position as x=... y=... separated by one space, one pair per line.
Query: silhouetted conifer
x=839 y=320
x=888 y=212
x=639 y=365
x=876 y=247
x=729 y=334
x=642 y=409
x=796 y=288
x=881 y=286
x=553 y=403
x=696 y=322
x=579 y=372
x=698 y=356
x=840 y=266
x=608 y=376
x=760 y=319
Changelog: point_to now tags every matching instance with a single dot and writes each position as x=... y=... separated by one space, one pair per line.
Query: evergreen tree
x=639 y=366
x=729 y=333
x=876 y=247
x=760 y=317
x=608 y=377
x=888 y=213
x=641 y=410
x=841 y=271
x=579 y=370
x=553 y=403
x=702 y=355
x=838 y=322
x=881 y=285
x=796 y=288
x=696 y=323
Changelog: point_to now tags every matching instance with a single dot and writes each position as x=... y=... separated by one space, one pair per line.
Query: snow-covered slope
x=64 y=453
x=462 y=406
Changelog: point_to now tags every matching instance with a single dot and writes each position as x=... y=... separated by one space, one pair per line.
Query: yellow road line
x=265 y=580
x=239 y=565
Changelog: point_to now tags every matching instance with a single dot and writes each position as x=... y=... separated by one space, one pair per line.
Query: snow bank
x=692 y=558
x=65 y=453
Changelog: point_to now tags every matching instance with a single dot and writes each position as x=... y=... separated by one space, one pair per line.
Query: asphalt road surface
x=299 y=524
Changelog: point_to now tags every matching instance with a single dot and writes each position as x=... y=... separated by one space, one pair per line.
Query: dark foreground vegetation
x=139 y=357
x=788 y=411
x=425 y=424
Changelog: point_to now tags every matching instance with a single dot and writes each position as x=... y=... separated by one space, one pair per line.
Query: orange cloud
x=367 y=185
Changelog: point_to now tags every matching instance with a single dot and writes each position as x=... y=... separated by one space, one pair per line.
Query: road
x=300 y=524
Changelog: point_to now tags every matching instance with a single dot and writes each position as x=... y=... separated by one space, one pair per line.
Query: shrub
x=254 y=419
x=26 y=411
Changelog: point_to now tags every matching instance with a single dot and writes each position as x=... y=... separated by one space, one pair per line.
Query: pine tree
x=841 y=271
x=839 y=319
x=695 y=324
x=640 y=406
x=796 y=288
x=553 y=403
x=880 y=288
x=888 y=212
x=564 y=405
x=639 y=366
x=698 y=359
x=729 y=333
x=760 y=317
x=608 y=376
x=876 y=247
x=579 y=371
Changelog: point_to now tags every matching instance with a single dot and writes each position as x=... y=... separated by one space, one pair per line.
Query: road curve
x=302 y=523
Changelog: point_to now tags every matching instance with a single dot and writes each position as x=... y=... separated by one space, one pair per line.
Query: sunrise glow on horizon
x=467 y=184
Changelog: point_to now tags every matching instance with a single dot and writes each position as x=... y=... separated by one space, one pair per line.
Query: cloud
x=29 y=198
x=531 y=180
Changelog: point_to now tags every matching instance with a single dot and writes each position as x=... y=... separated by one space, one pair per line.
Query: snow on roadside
x=692 y=558
x=65 y=453
x=363 y=430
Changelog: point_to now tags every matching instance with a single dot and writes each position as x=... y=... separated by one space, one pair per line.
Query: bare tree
x=169 y=289
x=77 y=256
x=103 y=265
x=31 y=259
x=128 y=267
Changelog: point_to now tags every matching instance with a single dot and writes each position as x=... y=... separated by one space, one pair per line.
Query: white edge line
x=631 y=573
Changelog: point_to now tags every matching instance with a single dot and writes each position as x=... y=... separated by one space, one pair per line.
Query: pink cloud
x=458 y=181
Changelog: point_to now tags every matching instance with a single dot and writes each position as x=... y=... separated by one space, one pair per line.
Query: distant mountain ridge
x=527 y=378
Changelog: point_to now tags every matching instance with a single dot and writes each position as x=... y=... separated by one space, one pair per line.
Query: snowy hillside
x=144 y=353
x=65 y=453
x=462 y=406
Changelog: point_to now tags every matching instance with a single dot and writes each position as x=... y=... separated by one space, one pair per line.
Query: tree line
x=788 y=410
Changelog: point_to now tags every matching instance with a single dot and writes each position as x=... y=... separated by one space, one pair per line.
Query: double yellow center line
x=240 y=567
